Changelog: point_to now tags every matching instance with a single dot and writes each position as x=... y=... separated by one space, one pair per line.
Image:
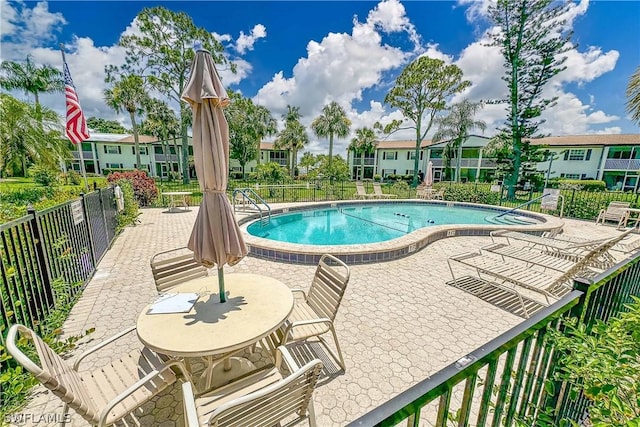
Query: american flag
x=76 y=124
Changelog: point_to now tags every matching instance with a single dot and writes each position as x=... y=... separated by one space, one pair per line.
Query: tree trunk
x=185 y=145
x=136 y=140
x=330 y=152
x=458 y=160
x=416 y=160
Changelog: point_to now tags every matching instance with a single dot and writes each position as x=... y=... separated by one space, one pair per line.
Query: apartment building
x=614 y=159
x=104 y=152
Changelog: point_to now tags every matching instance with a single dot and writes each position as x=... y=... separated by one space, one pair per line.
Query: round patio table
x=256 y=306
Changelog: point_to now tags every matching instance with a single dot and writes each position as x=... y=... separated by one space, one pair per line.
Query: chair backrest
x=590 y=258
x=272 y=404
x=328 y=286
x=377 y=189
x=360 y=189
x=175 y=266
x=616 y=209
x=53 y=372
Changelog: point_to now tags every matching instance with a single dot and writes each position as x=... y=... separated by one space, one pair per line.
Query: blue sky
x=307 y=54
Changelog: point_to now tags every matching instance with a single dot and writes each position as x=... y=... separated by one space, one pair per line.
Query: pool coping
x=383 y=251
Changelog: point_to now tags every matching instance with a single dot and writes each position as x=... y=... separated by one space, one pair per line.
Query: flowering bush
x=144 y=188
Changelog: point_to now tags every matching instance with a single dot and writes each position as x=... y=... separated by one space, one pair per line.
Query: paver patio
x=399 y=322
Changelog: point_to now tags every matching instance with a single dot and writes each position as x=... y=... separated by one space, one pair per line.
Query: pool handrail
x=247 y=197
x=521 y=205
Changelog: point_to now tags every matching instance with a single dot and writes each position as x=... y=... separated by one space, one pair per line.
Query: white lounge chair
x=509 y=275
x=361 y=192
x=105 y=395
x=377 y=191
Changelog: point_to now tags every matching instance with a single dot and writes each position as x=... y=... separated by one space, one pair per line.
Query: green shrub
x=604 y=365
x=72 y=178
x=471 y=194
x=377 y=177
x=131 y=210
x=401 y=188
x=44 y=176
x=586 y=185
x=144 y=188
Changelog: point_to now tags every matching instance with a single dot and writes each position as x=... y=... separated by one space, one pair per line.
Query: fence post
x=41 y=257
x=92 y=245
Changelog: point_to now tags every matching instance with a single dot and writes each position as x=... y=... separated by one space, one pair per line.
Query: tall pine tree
x=533 y=37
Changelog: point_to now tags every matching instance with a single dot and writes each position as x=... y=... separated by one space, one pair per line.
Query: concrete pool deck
x=399 y=321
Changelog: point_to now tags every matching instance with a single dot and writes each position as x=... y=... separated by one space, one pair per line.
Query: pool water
x=366 y=223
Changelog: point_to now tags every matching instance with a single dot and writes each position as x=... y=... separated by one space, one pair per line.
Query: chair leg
x=312 y=414
x=338 y=356
x=63 y=420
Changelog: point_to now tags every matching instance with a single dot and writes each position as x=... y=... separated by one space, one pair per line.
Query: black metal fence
x=574 y=203
x=502 y=383
x=59 y=245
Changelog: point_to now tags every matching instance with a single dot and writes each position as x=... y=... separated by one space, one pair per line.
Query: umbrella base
x=222 y=372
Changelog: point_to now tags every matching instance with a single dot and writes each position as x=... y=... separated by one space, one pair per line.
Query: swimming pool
x=372 y=223
x=408 y=242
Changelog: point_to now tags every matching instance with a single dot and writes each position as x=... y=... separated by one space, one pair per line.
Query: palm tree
x=31 y=78
x=455 y=128
x=332 y=121
x=128 y=94
x=633 y=95
x=29 y=136
x=363 y=142
x=162 y=122
x=293 y=138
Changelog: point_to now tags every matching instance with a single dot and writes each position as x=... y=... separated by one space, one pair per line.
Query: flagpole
x=79 y=145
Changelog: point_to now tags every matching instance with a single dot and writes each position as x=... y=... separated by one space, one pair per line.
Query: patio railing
x=62 y=244
x=504 y=380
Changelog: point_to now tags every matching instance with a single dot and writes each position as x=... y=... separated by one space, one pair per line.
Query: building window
x=386 y=172
x=114 y=165
x=577 y=154
x=112 y=149
x=143 y=150
x=411 y=155
x=570 y=175
x=390 y=155
x=408 y=172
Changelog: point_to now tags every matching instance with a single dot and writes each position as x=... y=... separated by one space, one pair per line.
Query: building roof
x=386 y=145
x=382 y=145
x=120 y=138
x=584 y=140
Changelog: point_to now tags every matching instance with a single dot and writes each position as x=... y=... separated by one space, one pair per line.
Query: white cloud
x=245 y=42
x=340 y=68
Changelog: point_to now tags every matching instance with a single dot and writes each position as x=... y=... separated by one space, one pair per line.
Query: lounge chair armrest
x=282 y=353
x=189 y=404
x=101 y=345
x=138 y=384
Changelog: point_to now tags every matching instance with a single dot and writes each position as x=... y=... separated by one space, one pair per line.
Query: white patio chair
x=313 y=315
x=263 y=398
x=102 y=396
x=616 y=211
x=175 y=266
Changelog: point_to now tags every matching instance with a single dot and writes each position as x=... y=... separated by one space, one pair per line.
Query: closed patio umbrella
x=215 y=238
x=428 y=176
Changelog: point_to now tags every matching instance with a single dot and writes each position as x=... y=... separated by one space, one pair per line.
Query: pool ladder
x=246 y=196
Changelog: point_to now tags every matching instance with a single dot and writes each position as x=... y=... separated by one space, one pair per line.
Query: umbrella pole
x=223 y=296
